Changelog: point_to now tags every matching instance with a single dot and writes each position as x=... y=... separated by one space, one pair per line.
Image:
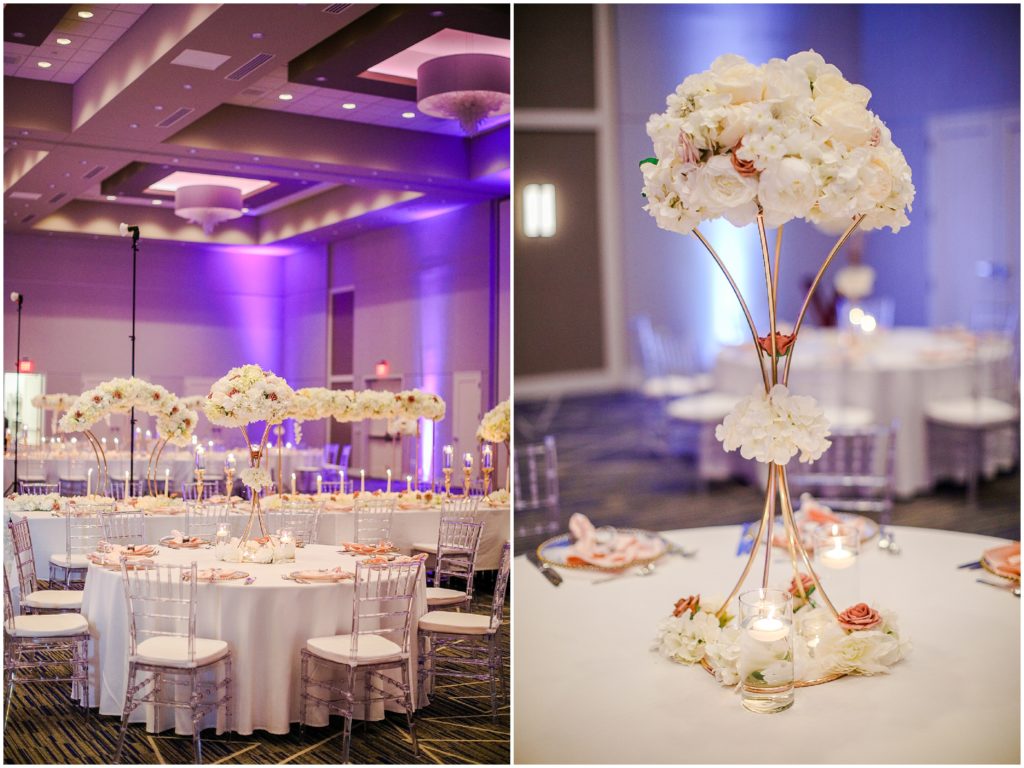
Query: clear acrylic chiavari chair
x=125 y=529
x=465 y=508
x=83 y=532
x=302 y=518
x=536 y=489
x=476 y=636
x=373 y=519
x=457 y=544
x=118 y=485
x=375 y=653
x=30 y=597
x=330 y=486
x=161 y=604
x=38 y=644
x=36 y=489
x=211 y=488
x=204 y=520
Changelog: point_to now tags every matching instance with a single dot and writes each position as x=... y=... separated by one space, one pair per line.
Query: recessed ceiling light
x=43 y=64
x=24 y=133
x=158 y=107
x=408 y=115
x=320 y=79
x=63 y=41
x=158 y=202
x=67 y=174
x=187 y=86
x=111 y=198
x=85 y=14
x=284 y=96
x=256 y=35
x=17 y=34
x=133 y=125
x=256 y=158
x=348 y=105
x=437 y=14
x=192 y=151
x=245 y=210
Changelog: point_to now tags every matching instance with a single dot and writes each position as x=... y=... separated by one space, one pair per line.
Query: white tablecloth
x=894 y=374
x=266 y=624
x=589 y=689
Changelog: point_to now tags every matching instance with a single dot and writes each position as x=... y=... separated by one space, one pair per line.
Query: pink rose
x=686 y=153
x=859 y=616
x=742 y=167
x=808 y=584
x=684 y=604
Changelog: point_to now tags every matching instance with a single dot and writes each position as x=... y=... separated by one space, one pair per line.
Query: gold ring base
x=798 y=684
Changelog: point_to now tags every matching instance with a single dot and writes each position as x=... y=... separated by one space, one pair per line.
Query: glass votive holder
x=836 y=561
x=766 y=650
x=284 y=551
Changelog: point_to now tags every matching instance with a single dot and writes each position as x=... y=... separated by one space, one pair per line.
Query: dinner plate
x=993 y=559
x=222 y=576
x=867 y=527
x=317 y=577
x=555 y=551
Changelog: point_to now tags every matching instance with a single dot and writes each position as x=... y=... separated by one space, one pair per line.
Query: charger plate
x=555 y=551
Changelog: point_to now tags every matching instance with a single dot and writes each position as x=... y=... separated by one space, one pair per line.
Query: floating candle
x=767 y=629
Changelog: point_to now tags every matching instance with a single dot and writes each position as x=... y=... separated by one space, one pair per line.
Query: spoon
x=643 y=570
x=1015 y=591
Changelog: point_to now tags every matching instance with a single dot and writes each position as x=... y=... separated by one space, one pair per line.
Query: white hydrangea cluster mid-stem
x=255 y=478
x=402 y=425
x=247 y=394
x=792 y=137
x=175 y=422
x=495 y=425
x=775 y=427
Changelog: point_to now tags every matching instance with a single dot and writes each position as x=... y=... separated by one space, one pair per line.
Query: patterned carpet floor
x=44 y=727
x=610 y=469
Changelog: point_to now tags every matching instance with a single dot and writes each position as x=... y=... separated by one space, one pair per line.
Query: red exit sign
x=26 y=366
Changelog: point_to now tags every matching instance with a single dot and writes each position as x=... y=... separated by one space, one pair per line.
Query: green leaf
x=651 y=160
x=757 y=676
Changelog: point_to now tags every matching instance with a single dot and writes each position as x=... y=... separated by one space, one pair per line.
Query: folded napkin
x=617 y=551
x=381 y=560
x=142 y=550
x=112 y=560
x=325 y=575
x=809 y=516
x=1005 y=560
x=219 y=574
x=178 y=540
x=381 y=548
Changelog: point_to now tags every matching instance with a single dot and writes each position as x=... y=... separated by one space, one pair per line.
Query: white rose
x=787 y=190
x=849 y=122
x=737 y=77
x=726 y=192
x=811 y=64
x=832 y=86
x=785 y=83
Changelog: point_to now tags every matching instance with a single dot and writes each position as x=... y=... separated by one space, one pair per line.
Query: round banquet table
x=265 y=623
x=589 y=689
x=894 y=374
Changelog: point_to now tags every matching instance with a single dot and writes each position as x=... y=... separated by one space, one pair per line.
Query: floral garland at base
x=865 y=641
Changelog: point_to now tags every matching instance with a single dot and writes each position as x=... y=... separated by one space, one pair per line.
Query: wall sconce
x=539 y=210
x=383 y=369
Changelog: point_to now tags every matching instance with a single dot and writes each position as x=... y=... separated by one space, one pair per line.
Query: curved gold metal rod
x=739 y=298
x=787 y=509
x=156 y=464
x=769 y=493
x=814 y=286
x=791 y=546
x=94 y=445
x=778 y=253
x=771 y=304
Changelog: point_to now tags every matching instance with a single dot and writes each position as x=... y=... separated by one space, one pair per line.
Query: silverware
x=675 y=549
x=643 y=570
x=887 y=542
x=1012 y=589
x=971 y=566
x=746 y=539
x=548 y=572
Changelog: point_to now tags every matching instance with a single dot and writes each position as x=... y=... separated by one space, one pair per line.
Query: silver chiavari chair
x=377 y=649
x=373 y=518
x=83 y=532
x=36 y=489
x=458 y=542
x=30 y=597
x=161 y=604
x=125 y=529
x=204 y=520
x=302 y=518
x=476 y=636
x=41 y=648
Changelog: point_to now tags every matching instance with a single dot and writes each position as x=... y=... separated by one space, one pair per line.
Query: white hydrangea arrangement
x=774 y=427
x=255 y=478
x=58 y=401
x=175 y=422
x=402 y=425
x=495 y=426
x=792 y=138
x=30 y=502
x=248 y=394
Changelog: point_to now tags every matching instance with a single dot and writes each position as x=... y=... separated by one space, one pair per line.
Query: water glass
x=766 y=650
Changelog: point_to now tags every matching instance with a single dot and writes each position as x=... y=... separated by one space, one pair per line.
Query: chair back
x=302 y=518
x=117 y=485
x=34 y=469
x=24 y=560
x=460 y=508
x=8 y=603
x=373 y=518
x=856 y=474
x=74 y=487
x=500 y=585
x=382 y=604
x=36 y=489
x=331 y=451
x=126 y=529
x=203 y=520
x=161 y=602
x=346 y=453
x=267 y=490
x=330 y=486
x=536 y=488
x=190 y=491
x=83 y=529
x=458 y=542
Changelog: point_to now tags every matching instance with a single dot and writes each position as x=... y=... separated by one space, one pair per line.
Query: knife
x=549 y=573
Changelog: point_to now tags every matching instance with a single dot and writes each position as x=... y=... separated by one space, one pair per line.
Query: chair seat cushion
x=370 y=649
x=59 y=599
x=971 y=412
x=424 y=547
x=456 y=623
x=443 y=596
x=65 y=560
x=710 y=406
x=173 y=651
x=47 y=625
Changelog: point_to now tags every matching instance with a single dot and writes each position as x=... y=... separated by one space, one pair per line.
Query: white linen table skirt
x=589 y=689
x=266 y=624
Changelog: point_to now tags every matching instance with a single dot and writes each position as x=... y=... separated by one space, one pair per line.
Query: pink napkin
x=218 y=574
x=624 y=549
x=334 y=574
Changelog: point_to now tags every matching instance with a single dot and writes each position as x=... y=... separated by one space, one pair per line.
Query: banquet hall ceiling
x=142 y=91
